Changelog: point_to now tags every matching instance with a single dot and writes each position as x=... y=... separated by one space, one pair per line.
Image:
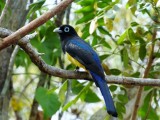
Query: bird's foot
x=77 y=69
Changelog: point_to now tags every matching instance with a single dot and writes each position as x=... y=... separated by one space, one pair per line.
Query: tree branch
x=13 y=38
x=37 y=60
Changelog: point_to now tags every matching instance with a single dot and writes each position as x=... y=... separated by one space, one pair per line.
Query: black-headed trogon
x=84 y=56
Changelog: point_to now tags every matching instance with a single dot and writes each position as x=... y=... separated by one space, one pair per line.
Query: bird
x=83 y=55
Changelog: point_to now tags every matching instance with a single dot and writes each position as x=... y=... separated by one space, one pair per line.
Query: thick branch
x=37 y=60
x=13 y=38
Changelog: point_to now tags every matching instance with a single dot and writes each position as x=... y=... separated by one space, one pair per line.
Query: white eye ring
x=66 y=29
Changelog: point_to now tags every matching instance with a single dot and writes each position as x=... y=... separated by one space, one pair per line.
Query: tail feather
x=106 y=94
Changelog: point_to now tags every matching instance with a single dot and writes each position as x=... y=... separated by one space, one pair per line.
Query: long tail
x=106 y=94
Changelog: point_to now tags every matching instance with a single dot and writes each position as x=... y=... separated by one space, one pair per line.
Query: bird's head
x=65 y=31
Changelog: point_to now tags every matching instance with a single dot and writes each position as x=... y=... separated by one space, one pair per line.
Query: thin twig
x=9 y=72
x=146 y=73
x=149 y=106
x=11 y=63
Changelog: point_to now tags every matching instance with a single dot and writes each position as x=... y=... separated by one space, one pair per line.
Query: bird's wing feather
x=82 y=52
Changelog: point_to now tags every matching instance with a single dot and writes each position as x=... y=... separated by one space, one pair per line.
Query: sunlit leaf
x=131 y=5
x=93 y=26
x=102 y=4
x=109 y=24
x=86 y=2
x=85 y=9
x=122 y=37
x=85 y=18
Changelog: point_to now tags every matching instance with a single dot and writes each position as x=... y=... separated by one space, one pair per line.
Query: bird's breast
x=74 y=61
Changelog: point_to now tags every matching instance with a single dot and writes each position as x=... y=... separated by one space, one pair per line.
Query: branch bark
x=12 y=17
x=37 y=60
x=13 y=38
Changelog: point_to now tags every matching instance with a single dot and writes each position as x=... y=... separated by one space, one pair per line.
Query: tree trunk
x=12 y=17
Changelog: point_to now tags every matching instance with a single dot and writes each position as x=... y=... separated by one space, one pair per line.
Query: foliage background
x=122 y=32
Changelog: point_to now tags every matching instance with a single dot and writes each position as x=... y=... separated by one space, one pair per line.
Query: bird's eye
x=66 y=29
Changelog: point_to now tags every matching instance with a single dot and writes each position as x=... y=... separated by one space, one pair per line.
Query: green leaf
x=101 y=4
x=85 y=9
x=136 y=75
x=49 y=101
x=133 y=24
x=125 y=58
x=104 y=31
x=35 y=6
x=143 y=111
x=85 y=35
x=115 y=71
x=85 y=18
x=86 y=2
x=142 y=51
x=131 y=5
x=81 y=93
x=51 y=46
x=120 y=109
x=102 y=57
x=105 y=44
x=123 y=98
x=76 y=87
x=122 y=37
x=131 y=35
x=22 y=59
x=62 y=91
x=91 y=97
x=101 y=22
x=113 y=88
x=94 y=41
x=2 y=4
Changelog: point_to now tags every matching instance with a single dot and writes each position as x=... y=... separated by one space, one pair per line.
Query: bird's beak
x=57 y=30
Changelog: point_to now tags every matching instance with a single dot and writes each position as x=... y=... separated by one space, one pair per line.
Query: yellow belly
x=74 y=61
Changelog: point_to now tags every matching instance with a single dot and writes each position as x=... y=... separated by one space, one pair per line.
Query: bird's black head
x=65 y=31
